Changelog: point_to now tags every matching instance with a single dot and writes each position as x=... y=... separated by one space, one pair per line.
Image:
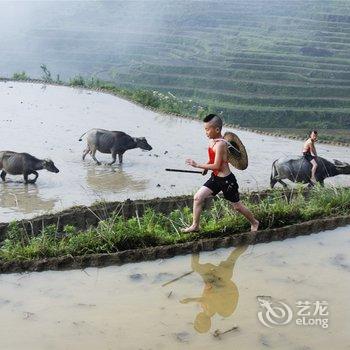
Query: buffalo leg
x=120 y=157
x=36 y=176
x=26 y=180
x=114 y=157
x=3 y=175
x=273 y=182
x=26 y=177
x=86 y=151
x=93 y=152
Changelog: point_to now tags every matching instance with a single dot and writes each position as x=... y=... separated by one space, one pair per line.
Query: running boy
x=221 y=179
x=309 y=149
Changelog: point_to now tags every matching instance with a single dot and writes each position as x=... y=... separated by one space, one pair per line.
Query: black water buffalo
x=23 y=164
x=112 y=142
x=299 y=170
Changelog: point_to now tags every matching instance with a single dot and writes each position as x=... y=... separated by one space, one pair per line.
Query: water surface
x=126 y=307
x=47 y=122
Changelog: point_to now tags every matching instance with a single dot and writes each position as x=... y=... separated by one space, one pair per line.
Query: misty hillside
x=262 y=63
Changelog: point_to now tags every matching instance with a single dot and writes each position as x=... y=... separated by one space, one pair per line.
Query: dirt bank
x=83 y=217
x=163 y=252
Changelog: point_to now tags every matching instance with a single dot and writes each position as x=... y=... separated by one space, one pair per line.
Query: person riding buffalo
x=310 y=154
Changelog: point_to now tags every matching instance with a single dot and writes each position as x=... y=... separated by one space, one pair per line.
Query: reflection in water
x=104 y=308
x=108 y=178
x=220 y=294
x=24 y=198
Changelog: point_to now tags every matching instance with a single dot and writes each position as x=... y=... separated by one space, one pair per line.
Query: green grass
x=294 y=116
x=153 y=229
x=20 y=76
x=150 y=98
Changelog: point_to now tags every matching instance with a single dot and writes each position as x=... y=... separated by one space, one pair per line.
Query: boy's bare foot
x=254 y=227
x=190 y=229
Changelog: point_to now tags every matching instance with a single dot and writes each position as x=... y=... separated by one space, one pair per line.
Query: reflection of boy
x=220 y=294
x=310 y=154
x=221 y=179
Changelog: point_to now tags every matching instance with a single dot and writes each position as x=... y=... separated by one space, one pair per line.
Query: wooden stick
x=177 y=278
x=185 y=171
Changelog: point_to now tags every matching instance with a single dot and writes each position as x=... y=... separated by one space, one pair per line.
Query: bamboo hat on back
x=237 y=155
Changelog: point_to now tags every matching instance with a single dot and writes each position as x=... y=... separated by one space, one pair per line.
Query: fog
x=76 y=37
x=107 y=38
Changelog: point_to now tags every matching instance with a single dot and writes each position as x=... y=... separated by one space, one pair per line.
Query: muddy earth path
x=47 y=122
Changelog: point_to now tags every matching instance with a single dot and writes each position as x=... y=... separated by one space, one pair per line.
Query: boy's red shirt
x=211 y=155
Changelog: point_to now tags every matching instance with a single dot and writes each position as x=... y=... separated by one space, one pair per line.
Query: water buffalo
x=299 y=170
x=112 y=142
x=23 y=164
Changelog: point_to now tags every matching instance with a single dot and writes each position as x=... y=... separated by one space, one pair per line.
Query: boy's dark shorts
x=228 y=185
x=308 y=156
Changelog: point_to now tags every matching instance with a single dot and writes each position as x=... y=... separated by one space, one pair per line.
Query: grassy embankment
x=169 y=103
x=154 y=99
x=154 y=229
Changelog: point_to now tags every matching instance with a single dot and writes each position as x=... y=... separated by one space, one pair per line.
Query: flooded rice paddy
x=47 y=122
x=127 y=307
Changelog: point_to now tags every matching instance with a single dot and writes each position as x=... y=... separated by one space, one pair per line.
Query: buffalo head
x=342 y=167
x=142 y=143
x=49 y=165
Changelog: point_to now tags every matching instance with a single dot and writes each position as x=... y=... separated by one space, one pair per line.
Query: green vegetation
x=169 y=103
x=20 y=76
x=152 y=229
x=165 y=102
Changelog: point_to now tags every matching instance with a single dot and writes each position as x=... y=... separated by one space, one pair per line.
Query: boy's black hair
x=312 y=131
x=217 y=121
x=209 y=117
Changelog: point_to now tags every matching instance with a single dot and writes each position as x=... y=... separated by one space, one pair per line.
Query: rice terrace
x=174 y=174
